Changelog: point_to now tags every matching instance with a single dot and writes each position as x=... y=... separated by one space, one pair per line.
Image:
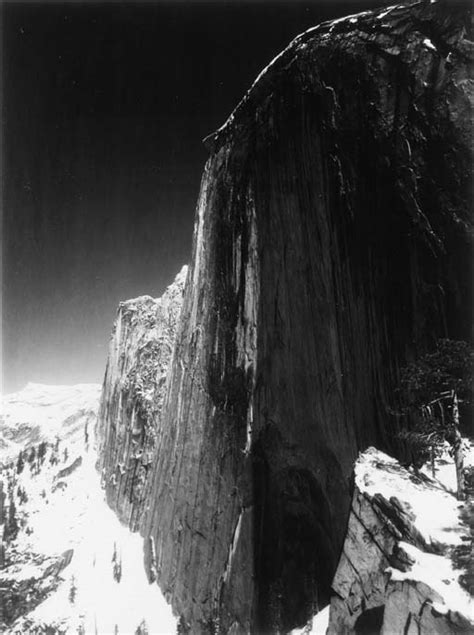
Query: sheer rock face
x=396 y=573
x=330 y=246
x=140 y=351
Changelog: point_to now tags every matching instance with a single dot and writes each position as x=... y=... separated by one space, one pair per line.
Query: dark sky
x=104 y=109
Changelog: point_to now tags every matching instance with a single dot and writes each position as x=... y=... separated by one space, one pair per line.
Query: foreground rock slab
x=397 y=573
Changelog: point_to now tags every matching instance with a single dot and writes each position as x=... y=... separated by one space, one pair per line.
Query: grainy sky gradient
x=104 y=109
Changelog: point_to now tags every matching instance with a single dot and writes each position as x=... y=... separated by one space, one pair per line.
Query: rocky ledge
x=398 y=573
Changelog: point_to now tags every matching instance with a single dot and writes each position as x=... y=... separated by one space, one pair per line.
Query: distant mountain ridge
x=39 y=412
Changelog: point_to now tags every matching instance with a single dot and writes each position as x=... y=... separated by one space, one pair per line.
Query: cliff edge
x=140 y=351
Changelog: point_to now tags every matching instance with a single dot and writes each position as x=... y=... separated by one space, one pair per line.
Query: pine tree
x=12 y=528
x=142 y=629
x=431 y=390
x=32 y=455
x=72 y=590
x=20 y=464
x=117 y=570
x=42 y=451
x=21 y=495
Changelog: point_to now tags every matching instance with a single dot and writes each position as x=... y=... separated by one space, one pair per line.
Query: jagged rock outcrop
x=27 y=581
x=398 y=573
x=140 y=350
x=66 y=471
x=331 y=245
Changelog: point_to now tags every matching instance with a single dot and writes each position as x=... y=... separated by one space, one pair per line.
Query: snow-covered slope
x=41 y=412
x=68 y=564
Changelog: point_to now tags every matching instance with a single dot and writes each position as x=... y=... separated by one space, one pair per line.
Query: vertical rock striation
x=331 y=245
x=140 y=351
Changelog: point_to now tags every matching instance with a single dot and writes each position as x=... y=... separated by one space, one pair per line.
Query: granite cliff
x=331 y=245
x=140 y=350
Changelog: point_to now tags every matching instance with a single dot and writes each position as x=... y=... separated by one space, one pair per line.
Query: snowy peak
x=38 y=392
x=41 y=412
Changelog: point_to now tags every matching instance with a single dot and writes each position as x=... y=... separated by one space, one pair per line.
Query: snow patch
x=385 y=13
x=438 y=573
x=347 y=18
x=429 y=44
x=317 y=626
x=436 y=511
x=248 y=442
x=233 y=546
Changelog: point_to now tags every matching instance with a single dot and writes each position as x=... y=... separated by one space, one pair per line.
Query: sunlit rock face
x=399 y=571
x=330 y=247
x=140 y=351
